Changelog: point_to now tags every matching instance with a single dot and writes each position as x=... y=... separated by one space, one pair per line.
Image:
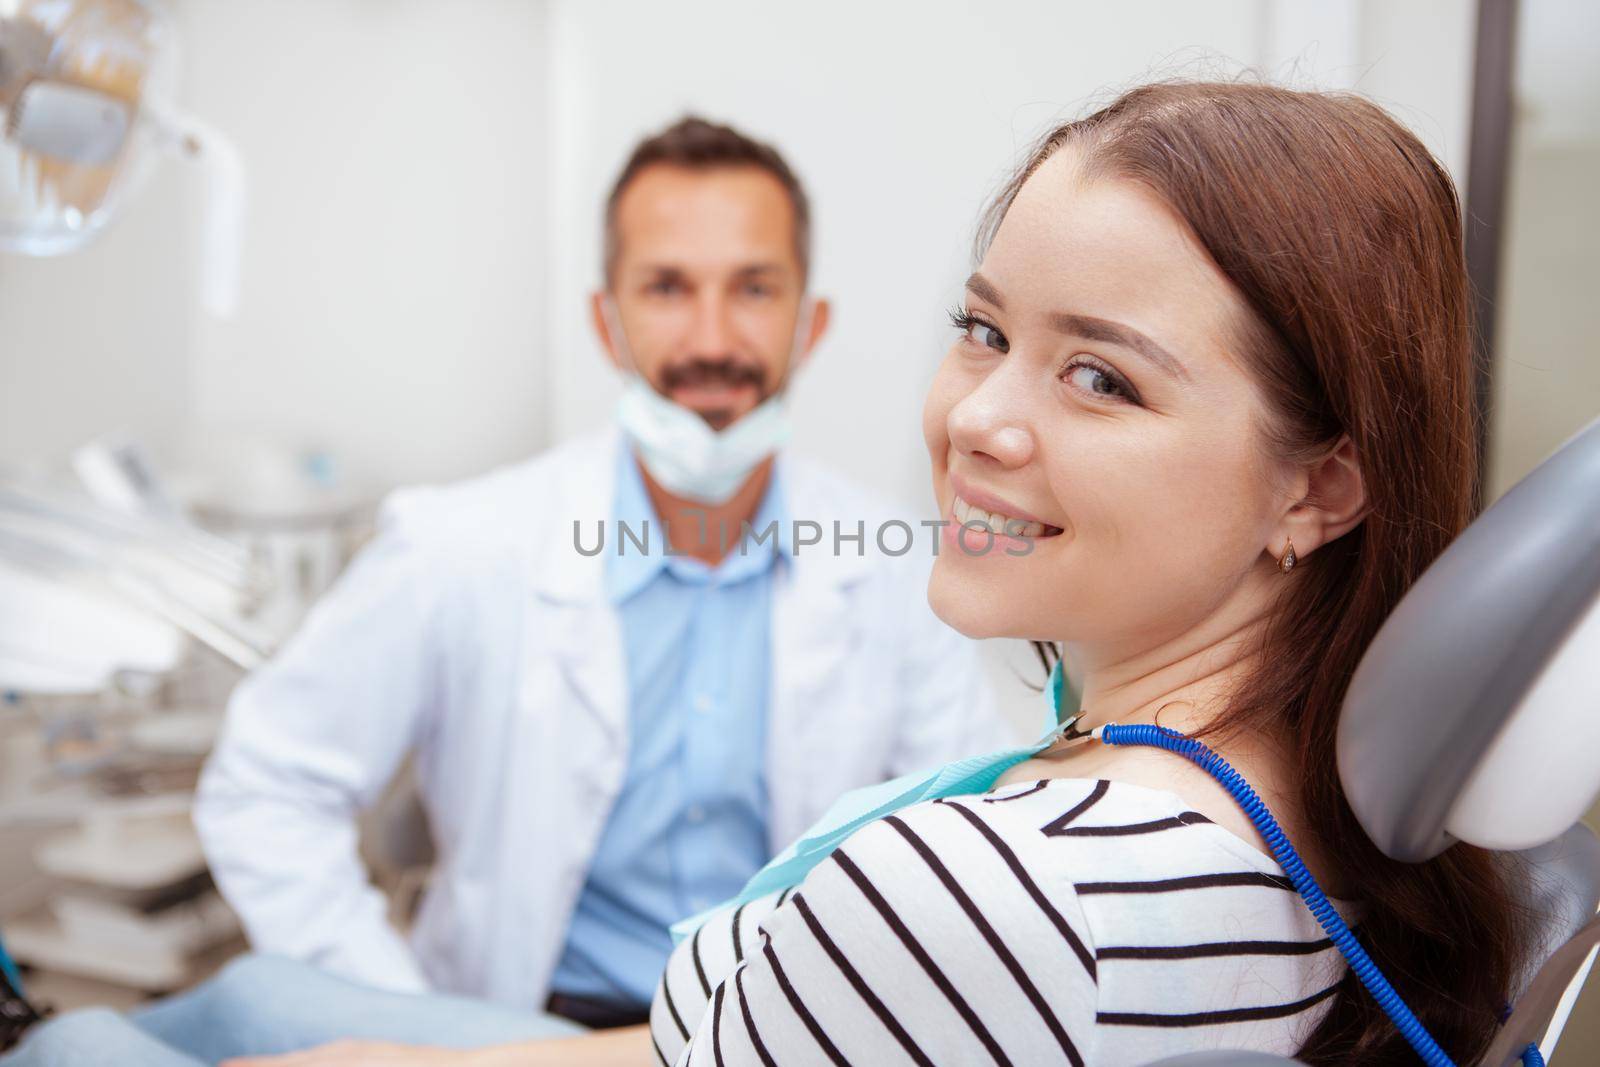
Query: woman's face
x=1094 y=390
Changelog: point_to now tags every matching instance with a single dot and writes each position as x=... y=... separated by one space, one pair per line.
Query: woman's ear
x=1334 y=503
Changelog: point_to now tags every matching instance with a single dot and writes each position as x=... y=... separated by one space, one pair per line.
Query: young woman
x=1213 y=373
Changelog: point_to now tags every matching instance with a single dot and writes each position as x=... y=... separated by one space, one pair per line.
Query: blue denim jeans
x=259 y=1005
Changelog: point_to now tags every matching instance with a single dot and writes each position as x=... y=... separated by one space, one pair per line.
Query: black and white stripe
x=1064 y=921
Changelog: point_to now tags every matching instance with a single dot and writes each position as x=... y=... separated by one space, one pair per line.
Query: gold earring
x=1288 y=560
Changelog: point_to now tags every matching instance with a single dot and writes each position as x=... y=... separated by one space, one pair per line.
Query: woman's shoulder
x=1189 y=925
x=1099 y=825
x=1099 y=837
x=1122 y=863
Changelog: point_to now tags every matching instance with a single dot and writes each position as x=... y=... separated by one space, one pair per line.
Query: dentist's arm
x=311 y=739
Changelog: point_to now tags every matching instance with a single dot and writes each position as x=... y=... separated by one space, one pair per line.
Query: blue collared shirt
x=689 y=827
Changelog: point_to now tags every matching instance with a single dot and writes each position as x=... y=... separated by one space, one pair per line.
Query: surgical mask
x=680 y=450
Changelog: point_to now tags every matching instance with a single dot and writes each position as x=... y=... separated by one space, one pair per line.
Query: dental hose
x=1283 y=851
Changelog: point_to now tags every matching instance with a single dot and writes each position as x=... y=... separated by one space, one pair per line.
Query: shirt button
x=702 y=703
x=696 y=814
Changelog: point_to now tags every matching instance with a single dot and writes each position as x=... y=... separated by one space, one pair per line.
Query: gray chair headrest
x=1475 y=713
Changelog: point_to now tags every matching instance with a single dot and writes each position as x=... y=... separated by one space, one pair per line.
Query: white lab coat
x=472 y=633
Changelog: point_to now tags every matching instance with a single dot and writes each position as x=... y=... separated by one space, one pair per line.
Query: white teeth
x=995 y=522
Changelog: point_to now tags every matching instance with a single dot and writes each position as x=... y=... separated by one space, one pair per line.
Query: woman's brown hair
x=1344 y=236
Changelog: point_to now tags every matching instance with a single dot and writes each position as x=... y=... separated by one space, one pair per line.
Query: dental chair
x=1475 y=716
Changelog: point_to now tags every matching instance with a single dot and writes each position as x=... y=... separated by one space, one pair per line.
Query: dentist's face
x=1094 y=391
x=707 y=286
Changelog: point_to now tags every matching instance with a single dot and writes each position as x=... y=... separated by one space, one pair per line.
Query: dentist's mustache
x=727 y=371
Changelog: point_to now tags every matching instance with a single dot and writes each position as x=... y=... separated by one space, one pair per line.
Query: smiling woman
x=1215 y=360
x=1219 y=332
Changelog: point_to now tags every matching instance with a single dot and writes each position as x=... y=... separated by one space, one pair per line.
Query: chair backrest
x=1542 y=1010
x=1473 y=715
x=1563 y=886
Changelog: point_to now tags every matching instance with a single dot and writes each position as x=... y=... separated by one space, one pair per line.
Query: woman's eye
x=1092 y=379
x=989 y=337
x=978 y=330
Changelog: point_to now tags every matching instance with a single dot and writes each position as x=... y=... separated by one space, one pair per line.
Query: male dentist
x=605 y=741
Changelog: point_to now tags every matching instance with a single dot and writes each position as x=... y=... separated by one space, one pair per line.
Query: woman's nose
x=987 y=422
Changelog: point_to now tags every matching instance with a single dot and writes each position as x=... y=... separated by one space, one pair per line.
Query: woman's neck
x=1186 y=679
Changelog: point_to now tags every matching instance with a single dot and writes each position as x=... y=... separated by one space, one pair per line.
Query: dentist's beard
x=727 y=373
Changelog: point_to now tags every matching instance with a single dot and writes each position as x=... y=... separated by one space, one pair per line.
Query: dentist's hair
x=695 y=144
x=1343 y=234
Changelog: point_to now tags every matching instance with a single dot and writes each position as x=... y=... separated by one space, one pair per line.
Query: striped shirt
x=1064 y=921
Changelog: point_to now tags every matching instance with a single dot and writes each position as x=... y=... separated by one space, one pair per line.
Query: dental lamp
x=85 y=111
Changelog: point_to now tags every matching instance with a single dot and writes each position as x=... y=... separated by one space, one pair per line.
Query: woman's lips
x=977 y=532
x=981 y=503
x=999 y=523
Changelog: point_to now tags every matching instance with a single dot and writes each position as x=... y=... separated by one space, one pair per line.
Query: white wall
x=1415 y=58
x=1547 y=343
x=393 y=277
x=98 y=342
x=395 y=270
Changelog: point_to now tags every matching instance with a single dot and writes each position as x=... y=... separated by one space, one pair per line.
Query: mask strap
x=802 y=329
x=619 y=339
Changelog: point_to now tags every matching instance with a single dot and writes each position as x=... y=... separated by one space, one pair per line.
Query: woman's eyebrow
x=1093 y=329
x=1090 y=328
x=984 y=290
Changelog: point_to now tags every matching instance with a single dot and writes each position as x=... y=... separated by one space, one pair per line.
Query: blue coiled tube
x=1338 y=932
